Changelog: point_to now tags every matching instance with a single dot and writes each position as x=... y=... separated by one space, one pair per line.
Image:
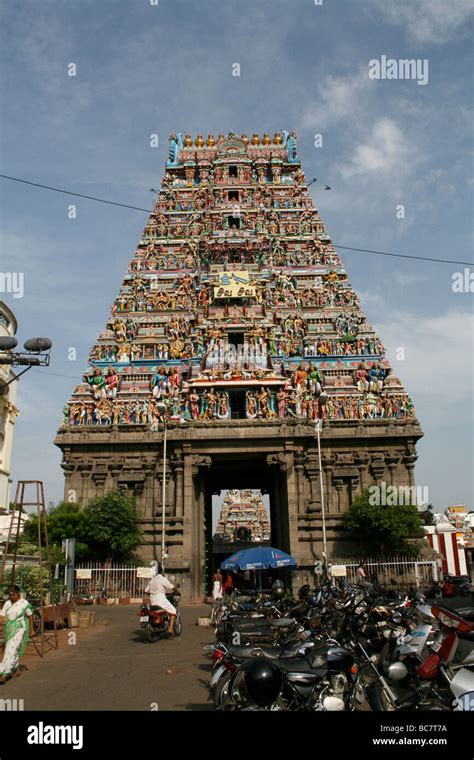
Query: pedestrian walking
x=17 y=618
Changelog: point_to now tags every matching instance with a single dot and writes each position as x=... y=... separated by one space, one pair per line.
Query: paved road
x=113 y=667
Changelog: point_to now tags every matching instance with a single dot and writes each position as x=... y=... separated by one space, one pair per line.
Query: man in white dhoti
x=157 y=589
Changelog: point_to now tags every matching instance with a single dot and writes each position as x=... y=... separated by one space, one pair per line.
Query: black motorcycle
x=327 y=679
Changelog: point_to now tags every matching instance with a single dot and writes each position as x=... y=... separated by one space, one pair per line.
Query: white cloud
x=337 y=100
x=386 y=150
x=438 y=351
x=427 y=21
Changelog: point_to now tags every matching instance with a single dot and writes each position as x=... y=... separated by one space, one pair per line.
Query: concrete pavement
x=112 y=667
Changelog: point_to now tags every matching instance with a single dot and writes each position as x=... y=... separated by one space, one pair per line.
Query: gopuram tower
x=236 y=329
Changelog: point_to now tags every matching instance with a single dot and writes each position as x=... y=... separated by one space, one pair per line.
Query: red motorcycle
x=155 y=620
x=449 y=664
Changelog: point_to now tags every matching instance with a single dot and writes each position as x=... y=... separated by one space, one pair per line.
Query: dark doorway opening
x=233 y=222
x=236 y=339
x=233 y=172
x=233 y=195
x=237 y=405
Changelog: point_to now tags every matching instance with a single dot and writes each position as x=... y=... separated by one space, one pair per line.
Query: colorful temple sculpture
x=243 y=518
x=237 y=327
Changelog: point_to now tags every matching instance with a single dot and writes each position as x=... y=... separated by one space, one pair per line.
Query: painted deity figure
x=194 y=405
x=223 y=411
x=361 y=377
x=251 y=411
x=111 y=383
x=210 y=404
x=281 y=400
x=97 y=384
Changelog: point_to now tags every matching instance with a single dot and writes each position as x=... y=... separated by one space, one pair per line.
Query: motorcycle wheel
x=178 y=626
x=152 y=634
x=221 y=692
x=379 y=702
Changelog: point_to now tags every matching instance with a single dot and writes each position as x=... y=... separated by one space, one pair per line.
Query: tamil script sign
x=84 y=573
x=338 y=571
x=234 y=285
x=143 y=572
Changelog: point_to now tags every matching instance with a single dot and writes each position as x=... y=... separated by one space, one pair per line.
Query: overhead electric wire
x=77 y=195
x=149 y=211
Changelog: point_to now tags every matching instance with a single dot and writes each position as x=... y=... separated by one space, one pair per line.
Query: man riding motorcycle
x=157 y=589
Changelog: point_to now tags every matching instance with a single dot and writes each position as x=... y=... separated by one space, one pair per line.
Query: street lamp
x=35 y=354
x=319 y=425
x=162 y=408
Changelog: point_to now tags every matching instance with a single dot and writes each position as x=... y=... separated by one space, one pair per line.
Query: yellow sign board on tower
x=234 y=285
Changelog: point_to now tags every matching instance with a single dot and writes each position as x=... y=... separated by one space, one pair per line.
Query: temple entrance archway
x=235 y=471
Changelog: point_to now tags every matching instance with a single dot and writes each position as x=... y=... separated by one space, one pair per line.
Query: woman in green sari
x=17 y=618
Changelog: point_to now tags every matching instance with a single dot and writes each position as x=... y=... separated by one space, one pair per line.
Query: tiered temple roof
x=243 y=517
x=235 y=304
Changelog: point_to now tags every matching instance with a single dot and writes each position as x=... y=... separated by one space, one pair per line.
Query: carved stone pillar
x=115 y=468
x=328 y=460
x=178 y=470
x=312 y=472
x=338 y=483
x=85 y=470
x=99 y=478
x=392 y=462
x=378 y=467
x=409 y=460
x=288 y=471
x=299 y=470
x=361 y=459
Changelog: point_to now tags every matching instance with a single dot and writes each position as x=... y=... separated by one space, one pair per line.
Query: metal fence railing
x=404 y=572
x=110 y=580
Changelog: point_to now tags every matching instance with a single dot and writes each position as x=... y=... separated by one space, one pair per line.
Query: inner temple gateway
x=235 y=330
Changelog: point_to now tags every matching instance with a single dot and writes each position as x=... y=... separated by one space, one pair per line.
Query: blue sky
x=144 y=69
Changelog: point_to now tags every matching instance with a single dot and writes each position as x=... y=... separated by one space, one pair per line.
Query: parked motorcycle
x=326 y=679
x=433 y=677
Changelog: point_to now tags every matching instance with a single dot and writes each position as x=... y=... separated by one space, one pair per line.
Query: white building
x=8 y=412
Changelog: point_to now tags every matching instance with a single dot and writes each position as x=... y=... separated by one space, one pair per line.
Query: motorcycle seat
x=155 y=607
x=270 y=653
x=467 y=636
x=466 y=613
x=282 y=623
x=249 y=625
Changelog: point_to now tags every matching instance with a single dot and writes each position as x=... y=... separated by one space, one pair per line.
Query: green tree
x=111 y=525
x=65 y=520
x=384 y=529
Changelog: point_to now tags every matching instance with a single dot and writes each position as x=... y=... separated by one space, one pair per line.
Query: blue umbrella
x=260 y=558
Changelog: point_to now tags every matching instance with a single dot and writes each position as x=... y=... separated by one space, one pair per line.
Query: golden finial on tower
x=277 y=139
x=210 y=141
x=188 y=141
x=199 y=142
x=245 y=139
x=255 y=139
x=266 y=139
